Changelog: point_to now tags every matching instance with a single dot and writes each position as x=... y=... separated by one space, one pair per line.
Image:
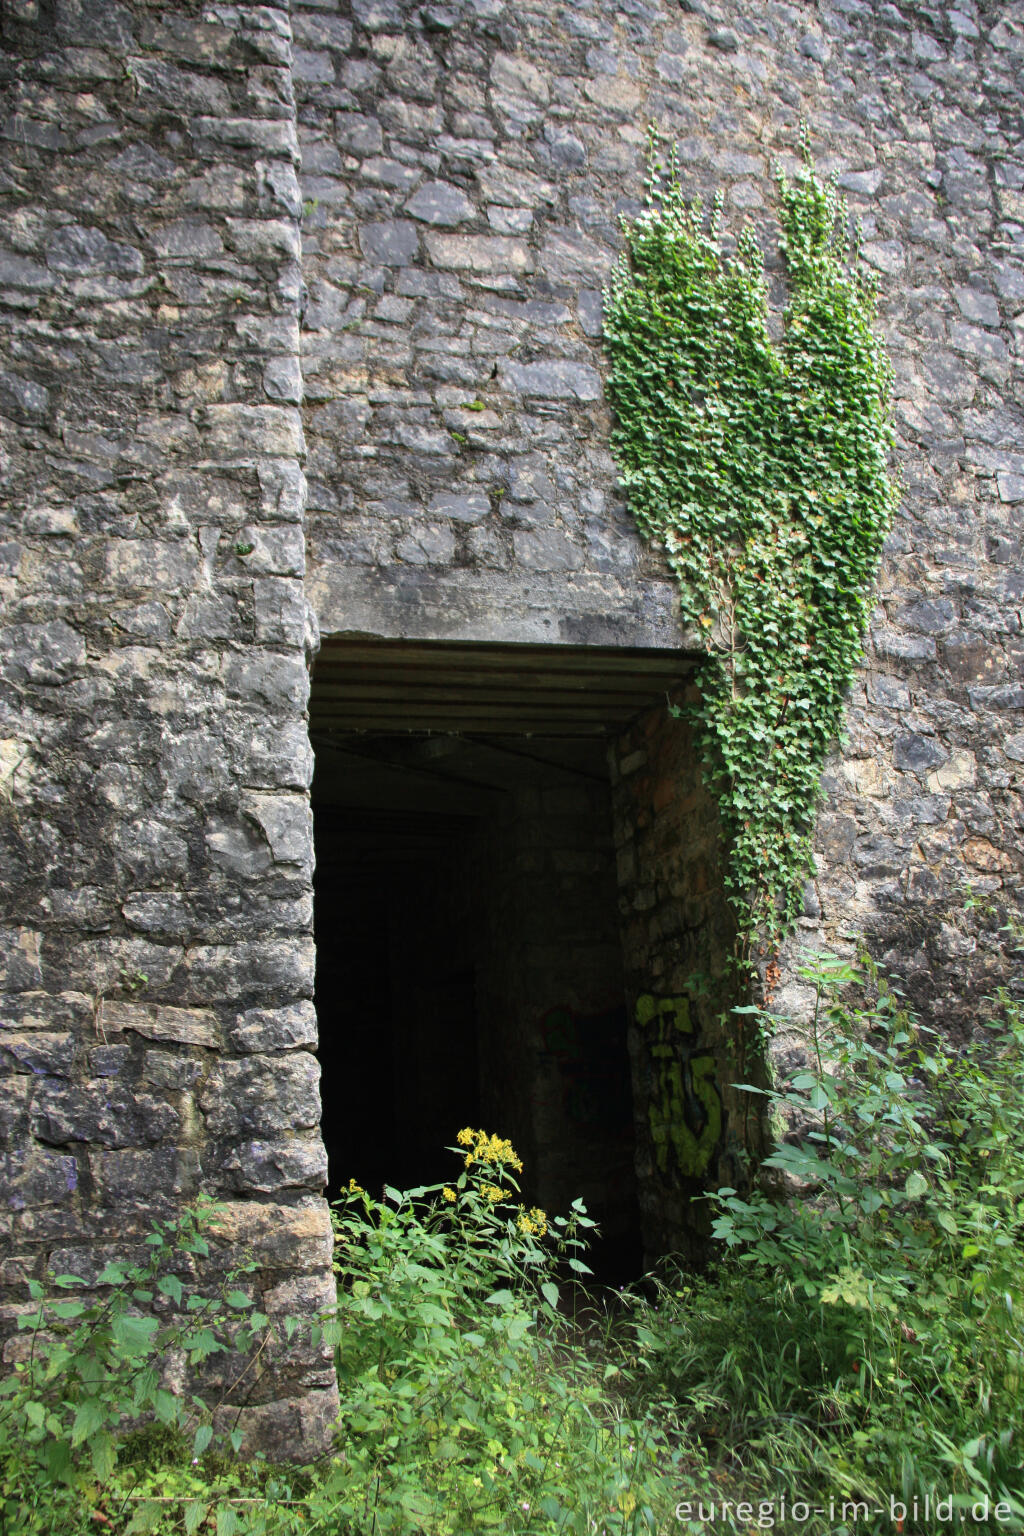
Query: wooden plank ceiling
x=362 y=684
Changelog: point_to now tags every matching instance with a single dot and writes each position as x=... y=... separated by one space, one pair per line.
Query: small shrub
x=95 y=1365
x=466 y=1405
x=865 y=1336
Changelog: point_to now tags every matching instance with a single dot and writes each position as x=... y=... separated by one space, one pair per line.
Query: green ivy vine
x=761 y=467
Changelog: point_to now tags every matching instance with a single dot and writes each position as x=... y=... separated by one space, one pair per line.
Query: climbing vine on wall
x=761 y=466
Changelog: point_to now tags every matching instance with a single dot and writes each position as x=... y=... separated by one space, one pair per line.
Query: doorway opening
x=469 y=916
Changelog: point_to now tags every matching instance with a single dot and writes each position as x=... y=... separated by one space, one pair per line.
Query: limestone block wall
x=692 y=1127
x=156 y=852
x=168 y=289
x=464 y=170
x=460 y=480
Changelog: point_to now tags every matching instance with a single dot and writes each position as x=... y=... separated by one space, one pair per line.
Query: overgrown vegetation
x=859 y=1344
x=862 y=1341
x=468 y=1400
x=469 y=1405
x=760 y=465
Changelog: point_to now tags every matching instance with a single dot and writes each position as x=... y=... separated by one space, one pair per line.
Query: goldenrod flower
x=354 y=1188
x=534 y=1223
x=448 y=1194
x=494 y=1193
x=483 y=1148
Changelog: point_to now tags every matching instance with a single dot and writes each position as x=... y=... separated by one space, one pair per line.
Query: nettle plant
x=761 y=467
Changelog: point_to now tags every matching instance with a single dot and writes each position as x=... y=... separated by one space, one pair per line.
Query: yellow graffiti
x=685 y=1111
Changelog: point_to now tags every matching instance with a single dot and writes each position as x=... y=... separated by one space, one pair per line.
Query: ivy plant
x=760 y=465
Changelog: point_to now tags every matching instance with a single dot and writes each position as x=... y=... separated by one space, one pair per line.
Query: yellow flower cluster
x=533 y=1222
x=494 y=1193
x=354 y=1188
x=448 y=1194
x=482 y=1148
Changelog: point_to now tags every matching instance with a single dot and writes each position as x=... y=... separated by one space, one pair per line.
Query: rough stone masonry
x=243 y=247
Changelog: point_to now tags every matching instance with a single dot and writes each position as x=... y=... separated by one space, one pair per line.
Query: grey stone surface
x=392 y=241
x=542 y=129
x=154 y=674
x=437 y=202
x=464 y=170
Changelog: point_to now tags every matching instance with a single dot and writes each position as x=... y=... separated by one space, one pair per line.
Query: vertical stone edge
x=157 y=1026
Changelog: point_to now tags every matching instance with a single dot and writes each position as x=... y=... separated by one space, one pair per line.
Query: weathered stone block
x=282 y=380
x=557 y=380
x=274 y=1029
x=461 y=509
x=157 y=1021
x=19 y=959
x=273 y=137
x=307 y=1419
x=41 y=653
x=287 y=824
x=237 y=847
x=547 y=550
x=427 y=544
x=22 y=272
x=479 y=253
x=394 y=242
x=100 y=1113
x=22 y=399
x=40 y=1053
x=274 y=970
x=239 y=431
x=267 y=1166
x=960 y=770
x=142 y=1179
x=286 y=1238
x=169 y=1069
x=437 y=202
x=277 y=681
x=281 y=612
x=189 y=239
x=32 y=1176
x=79 y=251
x=258 y=1095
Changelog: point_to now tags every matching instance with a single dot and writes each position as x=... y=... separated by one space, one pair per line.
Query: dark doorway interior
x=469 y=964
x=396 y=993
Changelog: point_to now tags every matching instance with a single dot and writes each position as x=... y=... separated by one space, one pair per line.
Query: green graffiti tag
x=685 y=1110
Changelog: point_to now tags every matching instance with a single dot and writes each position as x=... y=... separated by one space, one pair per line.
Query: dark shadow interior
x=469 y=964
x=396 y=994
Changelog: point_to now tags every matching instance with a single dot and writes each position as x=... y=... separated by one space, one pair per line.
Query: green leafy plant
x=760 y=466
x=468 y=1400
x=94 y=1364
x=865 y=1335
x=466 y=1404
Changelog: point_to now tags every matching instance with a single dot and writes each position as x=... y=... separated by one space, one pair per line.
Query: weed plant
x=862 y=1339
x=93 y=1367
x=859 y=1340
x=466 y=1402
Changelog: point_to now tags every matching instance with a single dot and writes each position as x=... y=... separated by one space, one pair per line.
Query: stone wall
x=464 y=167
x=154 y=814
x=692 y=1127
x=460 y=480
